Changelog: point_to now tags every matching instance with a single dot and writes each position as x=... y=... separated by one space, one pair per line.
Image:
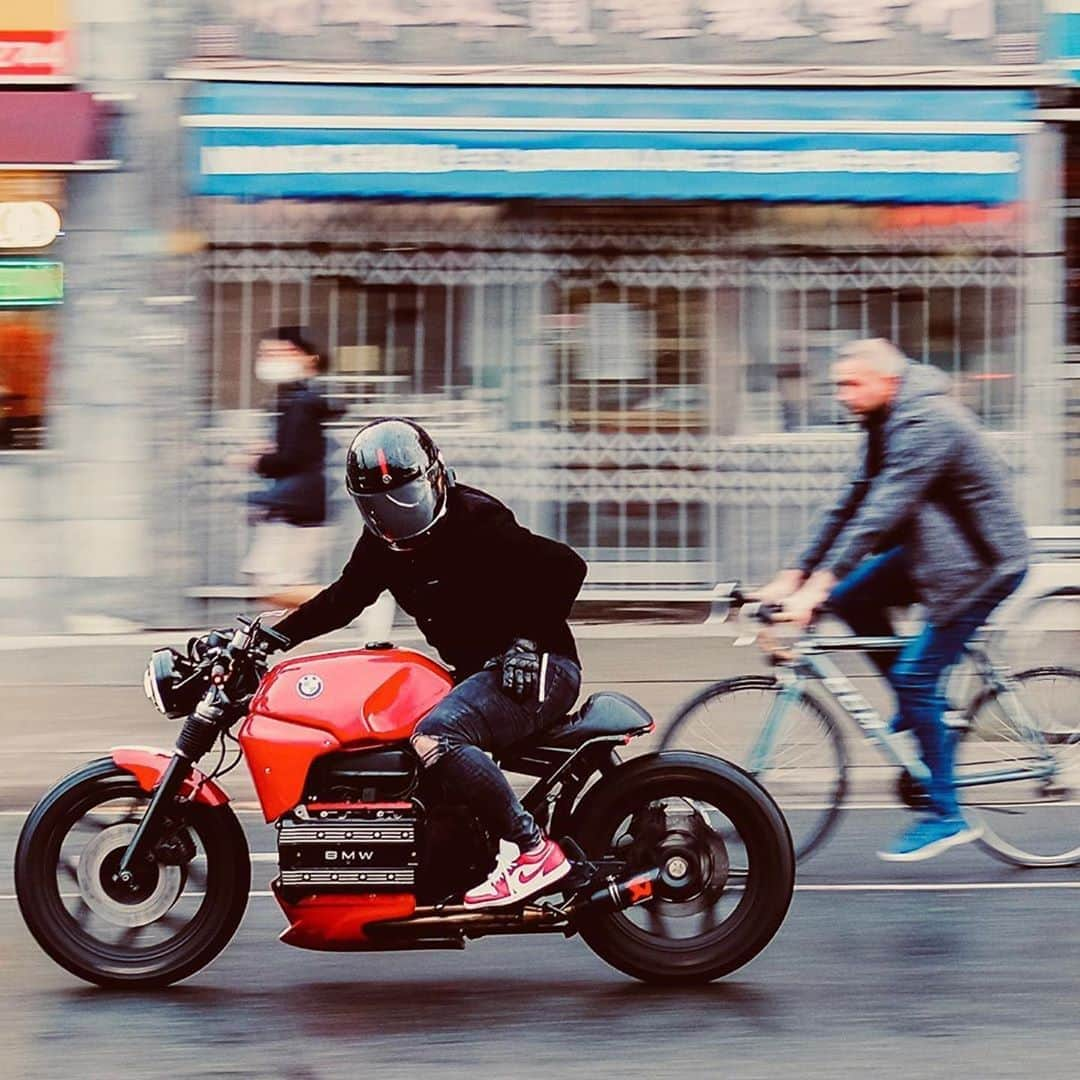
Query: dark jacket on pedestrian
x=476 y=583
x=297 y=493
x=931 y=483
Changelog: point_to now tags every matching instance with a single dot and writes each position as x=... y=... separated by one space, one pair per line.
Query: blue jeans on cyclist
x=915 y=672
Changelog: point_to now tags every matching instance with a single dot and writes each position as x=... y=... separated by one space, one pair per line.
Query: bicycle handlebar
x=767 y=614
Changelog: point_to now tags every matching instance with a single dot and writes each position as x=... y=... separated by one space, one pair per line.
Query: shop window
x=970 y=331
x=630 y=360
x=26 y=338
x=382 y=343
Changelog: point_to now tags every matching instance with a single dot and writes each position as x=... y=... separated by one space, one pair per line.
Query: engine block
x=349 y=848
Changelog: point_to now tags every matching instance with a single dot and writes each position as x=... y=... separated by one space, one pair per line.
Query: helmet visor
x=402 y=512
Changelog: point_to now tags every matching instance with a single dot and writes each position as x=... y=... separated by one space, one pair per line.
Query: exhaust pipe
x=616 y=895
x=613 y=895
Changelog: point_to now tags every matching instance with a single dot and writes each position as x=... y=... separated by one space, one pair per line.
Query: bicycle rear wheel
x=805 y=767
x=1034 y=821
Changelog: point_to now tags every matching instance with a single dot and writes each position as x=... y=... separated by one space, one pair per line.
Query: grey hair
x=878 y=354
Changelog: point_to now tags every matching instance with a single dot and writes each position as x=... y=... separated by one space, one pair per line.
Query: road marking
x=253 y=811
x=896 y=886
x=254 y=894
x=1042 y=804
x=948 y=886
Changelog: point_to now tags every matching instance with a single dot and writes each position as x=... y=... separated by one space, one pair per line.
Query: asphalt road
x=957 y=967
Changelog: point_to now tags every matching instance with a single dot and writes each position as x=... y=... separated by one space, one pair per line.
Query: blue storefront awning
x=1062 y=36
x=273 y=141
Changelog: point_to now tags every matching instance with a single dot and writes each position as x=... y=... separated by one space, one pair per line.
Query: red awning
x=61 y=128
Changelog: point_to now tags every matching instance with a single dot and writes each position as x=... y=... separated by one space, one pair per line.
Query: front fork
x=196 y=737
x=761 y=751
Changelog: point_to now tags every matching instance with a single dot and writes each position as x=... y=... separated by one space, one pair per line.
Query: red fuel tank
x=318 y=704
x=361 y=696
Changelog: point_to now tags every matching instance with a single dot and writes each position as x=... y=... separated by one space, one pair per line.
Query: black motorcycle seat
x=604 y=715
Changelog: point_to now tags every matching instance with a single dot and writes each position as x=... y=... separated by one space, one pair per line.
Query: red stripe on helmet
x=383 y=463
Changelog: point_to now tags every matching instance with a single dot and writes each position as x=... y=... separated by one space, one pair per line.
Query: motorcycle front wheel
x=180 y=912
x=727 y=866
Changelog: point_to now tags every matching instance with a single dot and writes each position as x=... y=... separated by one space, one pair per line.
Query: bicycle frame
x=809 y=663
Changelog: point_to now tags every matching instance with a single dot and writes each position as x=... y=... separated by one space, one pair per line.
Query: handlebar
x=218 y=655
x=280 y=640
x=739 y=602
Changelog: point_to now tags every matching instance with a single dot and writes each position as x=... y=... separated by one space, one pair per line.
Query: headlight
x=168 y=683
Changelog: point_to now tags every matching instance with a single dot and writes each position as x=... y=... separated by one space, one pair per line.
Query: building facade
x=612 y=279
x=606 y=252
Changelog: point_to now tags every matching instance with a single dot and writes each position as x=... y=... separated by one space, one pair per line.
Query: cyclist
x=929 y=516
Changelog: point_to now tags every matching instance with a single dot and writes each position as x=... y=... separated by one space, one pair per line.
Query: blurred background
x=604 y=249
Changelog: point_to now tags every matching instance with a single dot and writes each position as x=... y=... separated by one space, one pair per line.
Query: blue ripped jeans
x=915 y=672
x=478 y=716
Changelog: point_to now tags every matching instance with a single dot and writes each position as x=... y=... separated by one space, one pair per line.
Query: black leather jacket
x=479 y=581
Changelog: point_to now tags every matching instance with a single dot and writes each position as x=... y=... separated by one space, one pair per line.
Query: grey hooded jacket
x=940 y=492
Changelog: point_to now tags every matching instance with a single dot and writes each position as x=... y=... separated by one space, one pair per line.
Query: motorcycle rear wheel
x=727 y=860
x=65 y=861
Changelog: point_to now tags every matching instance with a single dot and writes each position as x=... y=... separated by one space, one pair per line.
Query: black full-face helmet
x=396 y=476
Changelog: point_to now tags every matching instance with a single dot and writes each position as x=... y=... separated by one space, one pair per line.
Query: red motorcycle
x=134 y=870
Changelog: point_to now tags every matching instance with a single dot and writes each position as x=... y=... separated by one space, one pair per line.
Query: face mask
x=275 y=370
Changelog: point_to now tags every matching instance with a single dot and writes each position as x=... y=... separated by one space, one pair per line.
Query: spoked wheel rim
x=805 y=770
x=1036 y=821
x=163 y=912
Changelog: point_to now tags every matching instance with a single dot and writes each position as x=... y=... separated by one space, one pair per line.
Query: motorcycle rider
x=493 y=599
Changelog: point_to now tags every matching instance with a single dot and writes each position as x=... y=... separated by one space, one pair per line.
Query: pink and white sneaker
x=530 y=873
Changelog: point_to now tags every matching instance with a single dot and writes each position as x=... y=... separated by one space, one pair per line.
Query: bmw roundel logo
x=309 y=686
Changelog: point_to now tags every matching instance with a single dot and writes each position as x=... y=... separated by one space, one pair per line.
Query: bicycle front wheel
x=797 y=754
x=1032 y=729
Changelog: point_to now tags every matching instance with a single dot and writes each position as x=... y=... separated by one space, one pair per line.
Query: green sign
x=24 y=283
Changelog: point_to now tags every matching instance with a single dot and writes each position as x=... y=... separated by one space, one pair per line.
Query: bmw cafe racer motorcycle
x=134 y=870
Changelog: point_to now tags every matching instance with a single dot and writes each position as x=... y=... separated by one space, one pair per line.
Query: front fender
x=148 y=765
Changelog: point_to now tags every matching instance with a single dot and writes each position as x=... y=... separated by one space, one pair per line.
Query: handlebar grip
x=278 y=639
x=767 y=613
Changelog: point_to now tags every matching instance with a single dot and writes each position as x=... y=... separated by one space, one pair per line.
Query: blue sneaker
x=930 y=837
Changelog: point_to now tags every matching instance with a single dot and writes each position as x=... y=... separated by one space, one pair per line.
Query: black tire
x=37 y=857
x=809 y=826
x=769 y=880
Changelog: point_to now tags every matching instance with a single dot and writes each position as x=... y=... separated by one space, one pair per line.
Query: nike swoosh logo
x=525 y=877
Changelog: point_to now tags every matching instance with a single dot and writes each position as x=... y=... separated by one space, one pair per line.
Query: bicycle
x=1013 y=754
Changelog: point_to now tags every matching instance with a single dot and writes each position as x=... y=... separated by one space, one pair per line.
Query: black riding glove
x=521 y=666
